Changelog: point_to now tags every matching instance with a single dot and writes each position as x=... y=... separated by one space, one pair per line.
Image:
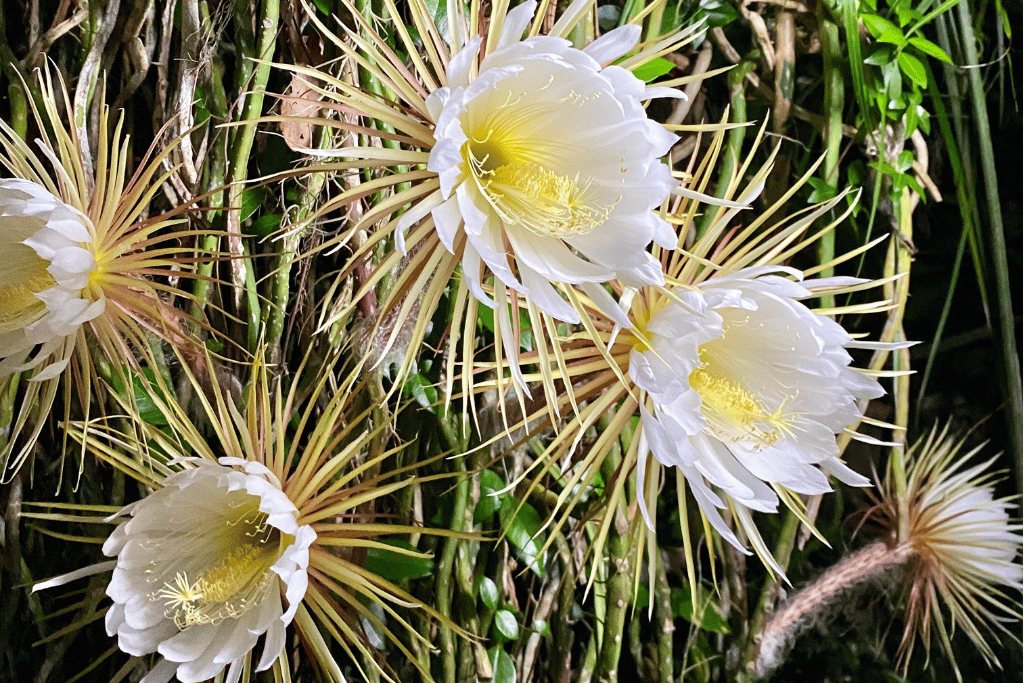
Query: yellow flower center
x=518 y=184
x=733 y=412
x=233 y=585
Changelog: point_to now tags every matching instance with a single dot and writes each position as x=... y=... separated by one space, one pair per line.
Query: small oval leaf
x=502 y=666
x=489 y=593
x=506 y=626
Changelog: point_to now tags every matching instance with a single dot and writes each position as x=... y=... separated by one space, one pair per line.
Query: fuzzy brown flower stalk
x=864 y=567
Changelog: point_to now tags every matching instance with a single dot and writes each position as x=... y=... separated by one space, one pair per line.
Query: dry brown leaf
x=301 y=100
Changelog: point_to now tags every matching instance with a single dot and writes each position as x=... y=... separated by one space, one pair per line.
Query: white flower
x=969 y=534
x=45 y=271
x=201 y=566
x=750 y=388
x=545 y=156
x=965 y=543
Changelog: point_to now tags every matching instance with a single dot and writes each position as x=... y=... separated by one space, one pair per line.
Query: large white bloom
x=750 y=388
x=201 y=566
x=548 y=164
x=45 y=270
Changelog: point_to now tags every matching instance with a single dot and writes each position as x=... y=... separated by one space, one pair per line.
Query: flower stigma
x=234 y=584
x=733 y=412
x=514 y=176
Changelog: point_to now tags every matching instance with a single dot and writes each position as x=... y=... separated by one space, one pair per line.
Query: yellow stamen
x=735 y=413
x=232 y=586
x=18 y=303
x=524 y=191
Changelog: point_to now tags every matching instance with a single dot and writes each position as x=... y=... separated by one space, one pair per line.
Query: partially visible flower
x=522 y=165
x=947 y=539
x=264 y=523
x=78 y=262
x=202 y=564
x=965 y=545
x=47 y=268
x=749 y=388
x=544 y=155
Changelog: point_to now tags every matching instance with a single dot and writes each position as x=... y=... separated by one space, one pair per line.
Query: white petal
x=161 y=673
x=614 y=44
x=546 y=297
x=606 y=304
x=460 y=65
x=447 y=222
x=516 y=22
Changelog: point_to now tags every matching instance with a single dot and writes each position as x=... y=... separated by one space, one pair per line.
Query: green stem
x=241 y=145
x=280 y=285
x=213 y=178
x=664 y=620
x=619 y=584
x=445 y=571
x=586 y=672
x=997 y=242
x=967 y=210
x=766 y=601
x=834 y=102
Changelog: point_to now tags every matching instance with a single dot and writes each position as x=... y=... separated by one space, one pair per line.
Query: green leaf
x=147 y=408
x=856 y=173
x=655 y=68
x=893 y=81
x=906 y=14
x=882 y=55
x=884 y=30
x=608 y=17
x=485 y=316
x=374 y=634
x=718 y=12
x=490 y=502
x=438 y=10
x=502 y=666
x=265 y=225
x=706 y=617
x=822 y=190
x=905 y=161
x=489 y=593
x=884 y=168
x=521 y=528
x=642 y=598
x=912 y=66
x=542 y=627
x=506 y=626
x=931 y=49
x=421 y=390
x=397 y=566
x=252 y=199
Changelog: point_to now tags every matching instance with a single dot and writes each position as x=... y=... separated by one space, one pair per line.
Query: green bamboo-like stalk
x=445 y=572
x=619 y=584
x=280 y=283
x=766 y=600
x=212 y=181
x=832 y=57
x=898 y=260
x=253 y=76
x=664 y=620
x=1006 y=333
x=561 y=626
